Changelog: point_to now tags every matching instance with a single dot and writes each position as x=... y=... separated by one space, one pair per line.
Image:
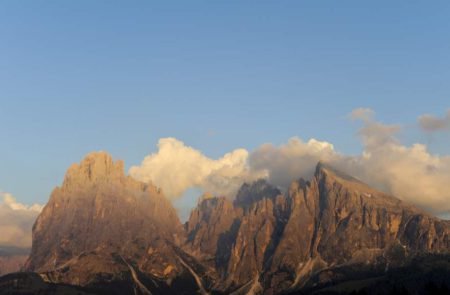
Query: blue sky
x=78 y=76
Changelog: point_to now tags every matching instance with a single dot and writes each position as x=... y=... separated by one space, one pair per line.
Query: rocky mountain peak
x=254 y=192
x=278 y=241
x=330 y=178
x=324 y=169
x=105 y=226
x=100 y=211
x=95 y=167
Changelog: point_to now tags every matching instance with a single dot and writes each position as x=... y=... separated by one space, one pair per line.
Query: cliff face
x=101 y=222
x=102 y=227
x=278 y=242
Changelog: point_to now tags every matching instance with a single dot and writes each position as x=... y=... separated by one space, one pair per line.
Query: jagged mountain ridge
x=280 y=241
x=102 y=227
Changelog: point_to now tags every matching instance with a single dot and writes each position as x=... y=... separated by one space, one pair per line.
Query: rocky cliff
x=102 y=226
x=271 y=241
x=102 y=229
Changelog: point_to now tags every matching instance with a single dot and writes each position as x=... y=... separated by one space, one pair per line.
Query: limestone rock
x=280 y=241
x=103 y=224
x=102 y=228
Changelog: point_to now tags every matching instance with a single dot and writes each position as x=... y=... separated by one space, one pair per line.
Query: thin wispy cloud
x=431 y=123
x=364 y=114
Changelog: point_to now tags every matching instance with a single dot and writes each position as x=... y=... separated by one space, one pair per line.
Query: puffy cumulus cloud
x=430 y=123
x=176 y=167
x=411 y=173
x=292 y=160
x=16 y=221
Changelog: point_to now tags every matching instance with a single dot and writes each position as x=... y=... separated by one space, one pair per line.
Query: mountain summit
x=102 y=226
x=304 y=238
x=110 y=234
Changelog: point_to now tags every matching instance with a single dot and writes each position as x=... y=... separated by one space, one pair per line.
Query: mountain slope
x=110 y=234
x=102 y=226
x=281 y=241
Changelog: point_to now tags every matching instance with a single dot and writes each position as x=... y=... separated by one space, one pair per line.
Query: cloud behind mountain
x=16 y=221
x=411 y=173
x=177 y=167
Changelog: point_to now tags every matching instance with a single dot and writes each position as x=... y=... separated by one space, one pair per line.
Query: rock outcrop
x=102 y=229
x=102 y=226
x=280 y=241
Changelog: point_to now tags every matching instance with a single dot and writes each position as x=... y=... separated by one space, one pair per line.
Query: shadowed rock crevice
x=282 y=212
x=225 y=246
x=249 y=194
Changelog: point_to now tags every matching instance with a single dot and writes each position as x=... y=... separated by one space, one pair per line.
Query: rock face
x=273 y=242
x=101 y=225
x=102 y=229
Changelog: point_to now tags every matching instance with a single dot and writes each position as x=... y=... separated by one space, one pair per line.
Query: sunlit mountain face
x=103 y=232
x=224 y=147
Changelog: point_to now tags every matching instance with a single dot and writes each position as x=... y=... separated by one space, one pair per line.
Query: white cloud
x=16 y=221
x=411 y=173
x=12 y=203
x=177 y=167
x=292 y=160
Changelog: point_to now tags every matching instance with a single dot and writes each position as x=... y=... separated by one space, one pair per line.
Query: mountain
x=12 y=259
x=105 y=233
x=277 y=242
x=102 y=227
